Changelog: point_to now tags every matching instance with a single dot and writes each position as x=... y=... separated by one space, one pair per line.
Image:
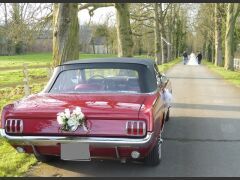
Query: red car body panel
x=113 y=110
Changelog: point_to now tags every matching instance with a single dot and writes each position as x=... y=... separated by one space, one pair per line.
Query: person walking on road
x=199 y=57
x=185 y=57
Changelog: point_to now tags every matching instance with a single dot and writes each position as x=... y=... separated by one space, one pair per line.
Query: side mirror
x=162 y=80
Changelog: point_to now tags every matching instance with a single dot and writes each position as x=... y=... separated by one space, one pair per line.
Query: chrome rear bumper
x=97 y=141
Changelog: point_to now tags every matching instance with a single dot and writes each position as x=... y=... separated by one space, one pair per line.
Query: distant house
x=98 y=45
x=90 y=44
x=44 y=39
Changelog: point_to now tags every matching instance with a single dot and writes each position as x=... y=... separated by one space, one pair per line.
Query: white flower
x=72 y=122
x=61 y=114
x=80 y=115
x=67 y=113
x=60 y=120
x=78 y=110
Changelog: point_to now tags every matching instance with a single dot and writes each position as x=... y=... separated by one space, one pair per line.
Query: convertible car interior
x=93 y=80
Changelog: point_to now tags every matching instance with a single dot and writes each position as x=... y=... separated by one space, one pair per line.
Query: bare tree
x=22 y=23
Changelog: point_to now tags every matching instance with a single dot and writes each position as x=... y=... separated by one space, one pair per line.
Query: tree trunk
x=5 y=14
x=170 y=32
x=16 y=17
x=65 y=33
x=124 y=32
x=229 y=45
x=162 y=34
x=8 y=43
x=213 y=53
x=157 y=36
x=218 y=36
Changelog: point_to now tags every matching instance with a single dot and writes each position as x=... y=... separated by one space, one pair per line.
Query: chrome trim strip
x=132 y=126
x=126 y=127
x=10 y=129
x=16 y=125
x=144 y=128
x=54 y=140
x=21 y=126
x=117 y=153
x=138 y=127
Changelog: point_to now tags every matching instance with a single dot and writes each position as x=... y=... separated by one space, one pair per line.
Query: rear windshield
x=93 y=78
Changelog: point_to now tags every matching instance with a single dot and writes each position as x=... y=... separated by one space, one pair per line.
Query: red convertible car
x=93 y=108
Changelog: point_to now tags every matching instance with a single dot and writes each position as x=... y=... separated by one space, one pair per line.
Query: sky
x=99 y=15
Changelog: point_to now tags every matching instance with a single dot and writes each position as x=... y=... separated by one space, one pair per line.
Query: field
x=37 y=59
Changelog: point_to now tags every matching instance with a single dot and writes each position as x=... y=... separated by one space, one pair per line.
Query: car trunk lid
x=106 y=114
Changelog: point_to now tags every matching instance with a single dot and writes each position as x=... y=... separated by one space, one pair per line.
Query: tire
x=45 y=158
x=168 y=115
x=155 y=156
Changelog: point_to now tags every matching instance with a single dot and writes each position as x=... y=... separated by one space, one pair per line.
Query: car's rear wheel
x=168 y=114
x=155 y=156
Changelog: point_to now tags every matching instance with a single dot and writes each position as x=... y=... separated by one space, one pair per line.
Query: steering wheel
x=93 y=77
x=100 y=76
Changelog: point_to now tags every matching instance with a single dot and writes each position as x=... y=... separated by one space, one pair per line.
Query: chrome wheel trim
x=159 y=150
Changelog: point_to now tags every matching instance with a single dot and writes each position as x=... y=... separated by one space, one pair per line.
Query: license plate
x=75 y=152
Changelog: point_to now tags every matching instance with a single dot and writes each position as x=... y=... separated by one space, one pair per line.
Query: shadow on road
x=183 y=77
x=206 y=129
x=206 y=106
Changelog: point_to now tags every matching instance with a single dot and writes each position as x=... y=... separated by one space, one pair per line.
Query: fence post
x=26 y=81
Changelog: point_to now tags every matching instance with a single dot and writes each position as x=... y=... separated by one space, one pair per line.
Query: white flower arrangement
x=70 y=121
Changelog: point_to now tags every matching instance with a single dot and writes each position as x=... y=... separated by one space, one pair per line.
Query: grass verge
x=231 y=76
x=12 y=163
x=164 y=67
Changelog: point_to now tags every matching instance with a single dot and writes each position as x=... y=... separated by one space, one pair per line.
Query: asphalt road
x=202 y=137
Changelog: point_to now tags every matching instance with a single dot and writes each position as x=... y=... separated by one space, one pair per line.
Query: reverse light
x=135 y=154
x=136 y=128
x=14 y=126
x=20 y=150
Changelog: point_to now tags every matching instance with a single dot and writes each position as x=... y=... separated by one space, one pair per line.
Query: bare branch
x=94 y=6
